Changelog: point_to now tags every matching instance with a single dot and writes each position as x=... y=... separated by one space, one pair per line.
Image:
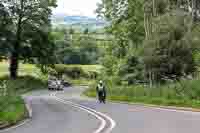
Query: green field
x=95 y=68
x=31 y=69
x=24 y=69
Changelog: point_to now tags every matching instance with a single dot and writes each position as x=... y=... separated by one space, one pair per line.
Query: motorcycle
x=101 y=97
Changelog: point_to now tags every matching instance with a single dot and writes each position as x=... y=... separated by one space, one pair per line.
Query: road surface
x=67 y=112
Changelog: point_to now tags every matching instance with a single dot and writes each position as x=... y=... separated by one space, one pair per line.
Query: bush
x=12 y=110
x=23 y=84
x=91 y=75
x=131 y=71
x=73 y=72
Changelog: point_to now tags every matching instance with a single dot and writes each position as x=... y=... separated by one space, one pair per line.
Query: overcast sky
x=76 y=7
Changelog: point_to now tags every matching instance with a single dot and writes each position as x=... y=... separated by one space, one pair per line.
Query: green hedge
x=74 y=72
x=23 y=84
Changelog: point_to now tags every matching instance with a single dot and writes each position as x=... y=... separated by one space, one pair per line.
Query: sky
x=76 y=7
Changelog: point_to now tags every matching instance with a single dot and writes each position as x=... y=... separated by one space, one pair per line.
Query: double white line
x=107 y=123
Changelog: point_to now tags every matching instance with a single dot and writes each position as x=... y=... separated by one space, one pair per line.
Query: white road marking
x=157 y=108
x=93 y=112
x=174 y=110
x=14 y=127
x=103 y=122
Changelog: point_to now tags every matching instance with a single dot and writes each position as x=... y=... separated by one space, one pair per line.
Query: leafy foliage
x=169 y=53
x=73 y=48
x=28 y=38
x=168 y=50
x=132 y=70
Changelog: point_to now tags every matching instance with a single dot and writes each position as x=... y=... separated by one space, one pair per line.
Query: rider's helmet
x=101 y=82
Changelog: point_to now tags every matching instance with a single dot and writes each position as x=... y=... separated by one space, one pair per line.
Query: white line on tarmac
x=175 y=110
x=95 y=113
x=158 y=108
x=14 y=127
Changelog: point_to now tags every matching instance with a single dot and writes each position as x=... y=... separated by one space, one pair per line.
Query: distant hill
x=78 y=21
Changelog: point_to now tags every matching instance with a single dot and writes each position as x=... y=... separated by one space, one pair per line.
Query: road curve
x=137 y=118
x=67 y=112
x=52 y=116
x=107 y=123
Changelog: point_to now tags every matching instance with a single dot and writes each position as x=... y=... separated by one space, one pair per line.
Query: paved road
x=139 y=119
x=52 y=116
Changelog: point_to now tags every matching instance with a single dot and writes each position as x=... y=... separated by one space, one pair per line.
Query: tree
x=30 y=29
x=5 y=26
x=169 y=52
x=132 y=70
x=165 y=26
x=82 y=50
x=127 y=26
x=126 y=20
x=86 y=31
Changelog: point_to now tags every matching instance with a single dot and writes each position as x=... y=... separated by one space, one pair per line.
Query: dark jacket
x=100 y=88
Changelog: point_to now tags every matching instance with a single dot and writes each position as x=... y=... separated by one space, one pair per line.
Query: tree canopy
x=154 y=39
x=27 y=25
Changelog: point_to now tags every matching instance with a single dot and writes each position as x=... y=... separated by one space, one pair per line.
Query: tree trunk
x=188 y=6
x=178 y=4
x=14 y=59
x=145 y=26
x=194 y=10
x=154 y=8
x=147 y=21
x=14 y=65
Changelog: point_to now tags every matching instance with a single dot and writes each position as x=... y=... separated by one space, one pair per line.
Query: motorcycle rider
x=101 y=91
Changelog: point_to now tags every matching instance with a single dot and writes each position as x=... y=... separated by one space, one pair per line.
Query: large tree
x=126 y=17
x=169 y=44
x=5 y=26
x=126 y=24
x=29 y=36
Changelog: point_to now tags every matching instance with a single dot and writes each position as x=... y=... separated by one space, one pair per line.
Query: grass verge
x=12 y=110
x=12 y=106
x=183 y=94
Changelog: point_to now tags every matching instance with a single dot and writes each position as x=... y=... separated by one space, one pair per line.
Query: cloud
x=76 y=7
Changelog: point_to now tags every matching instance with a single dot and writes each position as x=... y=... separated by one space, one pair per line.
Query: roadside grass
x=12 y=110
x=12 y=106
x=182 y=94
